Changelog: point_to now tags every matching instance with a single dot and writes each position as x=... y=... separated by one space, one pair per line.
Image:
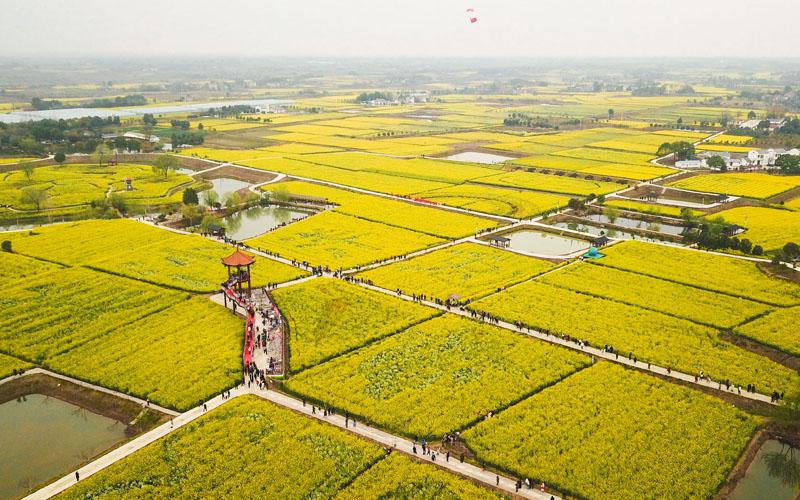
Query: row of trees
x=681 y=150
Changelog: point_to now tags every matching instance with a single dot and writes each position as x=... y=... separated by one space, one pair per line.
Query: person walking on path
x=77 y=476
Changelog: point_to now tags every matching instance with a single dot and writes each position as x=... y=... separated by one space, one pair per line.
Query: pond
x=543 y=243
x=43 y=438
x=224 y=185
x=185 y=171
x=599 y=231
x=475 y=157
x=757 y=484
x=252 y=222
x=637 y=224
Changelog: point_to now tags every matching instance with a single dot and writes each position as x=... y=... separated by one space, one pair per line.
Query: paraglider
x=473 y=18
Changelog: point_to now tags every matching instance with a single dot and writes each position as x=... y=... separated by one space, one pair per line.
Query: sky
x=400 y=28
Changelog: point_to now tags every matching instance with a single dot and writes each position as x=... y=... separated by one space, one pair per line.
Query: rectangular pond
x=601 y=231
x=224 y=185
x=637 y=224
x=476 y=157
x=757 y=484
x=43 y=438
x=544 y=243
x=255 y=221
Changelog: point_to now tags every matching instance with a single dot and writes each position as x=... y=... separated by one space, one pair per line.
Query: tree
x=6 y=246
x=101 y=153
x=612 y=213
x=211 y=198
x=683 y=150
x=190 y=196
x=717 y=162
x=27 y=169
x=680 y=120
x=746 y=245
x=788 y=164
x=758 y=250
x=164 y=164
x=791 y=251
x=751 y=115
x=281 y=193
x=209 y=219
x=36 y=196
x=232 y=200
x=149 y=119
x=191 y=213
x=610 y=113
x=60 y=157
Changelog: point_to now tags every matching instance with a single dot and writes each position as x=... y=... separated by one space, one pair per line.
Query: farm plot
x=328 y=317
x=723 y=147
x=594 y=167
x=437 y=376
x=496 y=200
x=57 y=311
x=428 y=220
x=771 y=228
x=381 y=183
x=229 y=155
x=735 y=277
x=639 y=206
x=9 y=364
x=682 y=301
x=185 y=262
x=71 y=185
x=177 y=358
x=551 y=183
x=608 y=432
x=606 y=155
x=751 y=185
x=398 y=476
x=418 y=168
x=468 y=271
x=14 y=266
x=243 y=449
x=650 y=336
x=341 y=241
x=777 y=329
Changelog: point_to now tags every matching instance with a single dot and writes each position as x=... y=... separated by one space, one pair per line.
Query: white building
x=140 y=137
x=691 y=164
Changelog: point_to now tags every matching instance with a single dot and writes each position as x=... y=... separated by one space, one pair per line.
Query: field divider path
x=592 y=351
x=367 y=191
x=91 y=386
x=383 y=438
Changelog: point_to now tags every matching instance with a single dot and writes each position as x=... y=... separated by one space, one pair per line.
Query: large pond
x=224 y=185
x=42 y=438
x=600 y=231
x=475 y=157
x=543 y=243
x=757 y=484
x=637 y=224
x=254 y=221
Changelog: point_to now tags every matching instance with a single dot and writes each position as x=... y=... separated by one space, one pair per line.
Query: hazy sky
x=513 y=28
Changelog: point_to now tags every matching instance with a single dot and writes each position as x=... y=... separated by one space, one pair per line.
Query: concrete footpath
x=383 y=438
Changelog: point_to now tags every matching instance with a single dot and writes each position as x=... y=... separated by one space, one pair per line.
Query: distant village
x=757 y=159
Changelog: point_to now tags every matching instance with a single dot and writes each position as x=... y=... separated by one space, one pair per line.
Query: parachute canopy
x=473 y=18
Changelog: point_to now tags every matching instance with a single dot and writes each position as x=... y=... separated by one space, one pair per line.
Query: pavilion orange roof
x=238 y=258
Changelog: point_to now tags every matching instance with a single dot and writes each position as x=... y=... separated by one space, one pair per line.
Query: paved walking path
x=384 y=438
x=94 y=387
x=591 y=351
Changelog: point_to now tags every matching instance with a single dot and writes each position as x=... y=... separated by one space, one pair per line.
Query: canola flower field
x=769 y=227
x=748 y=184
x=341 y=241
x=183 y=262
x=437 y=376
x=328 y=317
x=465 y=271
x=610 y=432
